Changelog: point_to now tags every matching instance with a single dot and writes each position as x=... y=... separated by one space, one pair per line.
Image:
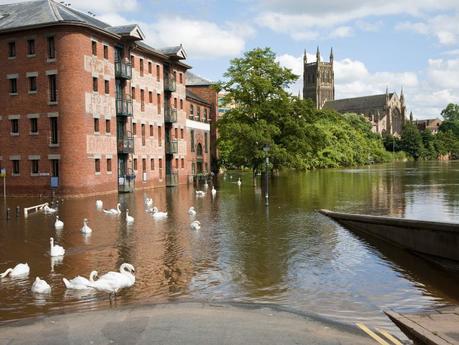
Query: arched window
x=199 y=150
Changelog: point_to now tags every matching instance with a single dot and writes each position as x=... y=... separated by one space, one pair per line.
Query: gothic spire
x=318 y=54
x=305 y=58
x=331 y=55
x=402 y=97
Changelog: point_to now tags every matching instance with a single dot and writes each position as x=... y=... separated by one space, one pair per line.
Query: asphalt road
x=182 y=323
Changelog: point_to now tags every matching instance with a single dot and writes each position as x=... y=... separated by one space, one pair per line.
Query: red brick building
x=88 y=108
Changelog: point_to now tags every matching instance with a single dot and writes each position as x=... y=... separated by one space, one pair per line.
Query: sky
x=409 y=44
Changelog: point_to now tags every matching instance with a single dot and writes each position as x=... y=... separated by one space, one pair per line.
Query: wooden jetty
x=436 y=241
x=440 y=327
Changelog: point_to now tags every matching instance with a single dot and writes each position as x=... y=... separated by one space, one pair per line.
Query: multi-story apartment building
x=88 y=108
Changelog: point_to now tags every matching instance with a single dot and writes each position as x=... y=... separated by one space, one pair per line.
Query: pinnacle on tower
x=402 y=97
x=331 y=55
x=318 y=54
x=305 y=58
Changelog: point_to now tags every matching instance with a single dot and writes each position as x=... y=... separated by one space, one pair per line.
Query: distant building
x=386 y=112
x=432 y=124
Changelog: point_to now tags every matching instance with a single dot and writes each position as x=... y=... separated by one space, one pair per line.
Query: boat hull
x=436 y=241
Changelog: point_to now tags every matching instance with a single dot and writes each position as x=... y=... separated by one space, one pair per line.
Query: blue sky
x=377 y=43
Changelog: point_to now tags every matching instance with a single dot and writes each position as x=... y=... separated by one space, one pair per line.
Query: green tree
x=411 y=140
x=451 y=112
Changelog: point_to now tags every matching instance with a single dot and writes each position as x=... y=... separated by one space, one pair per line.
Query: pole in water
x=8 y=213
x=18 y=210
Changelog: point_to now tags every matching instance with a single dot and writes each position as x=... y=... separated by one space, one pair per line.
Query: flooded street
x=286 y=254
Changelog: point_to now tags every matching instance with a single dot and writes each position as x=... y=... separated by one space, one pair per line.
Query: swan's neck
x=92 y=275
x=4 y=274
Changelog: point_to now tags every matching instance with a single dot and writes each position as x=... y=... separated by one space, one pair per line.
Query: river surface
x=284 y=254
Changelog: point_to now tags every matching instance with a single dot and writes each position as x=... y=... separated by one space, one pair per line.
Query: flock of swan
x=111 y=282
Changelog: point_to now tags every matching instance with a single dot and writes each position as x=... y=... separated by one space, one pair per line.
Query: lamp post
x=266 y=148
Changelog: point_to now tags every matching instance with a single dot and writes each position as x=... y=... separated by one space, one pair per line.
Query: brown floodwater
x=286 y=254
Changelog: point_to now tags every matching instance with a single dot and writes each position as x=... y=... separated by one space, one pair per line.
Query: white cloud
x=305 y=35
x=341 y=31
x=369 y=26
x=201 y=39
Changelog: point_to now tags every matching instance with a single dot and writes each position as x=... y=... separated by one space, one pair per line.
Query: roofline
x=198 y=100
x=199 y=85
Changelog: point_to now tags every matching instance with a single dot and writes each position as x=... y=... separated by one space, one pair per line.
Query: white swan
x=40 y=286
x=112 y=282
x=149 y=202
x=129 y=219
x=158 y=215
x=99 y=204
x=48 y=209
x=58 y=224
x=205 y=184
x=200 y=193
x=239 y=182
x=214 y=191
x=86 y=229
x=18 y=271
x=55 y=250
x=80 y=283
x=196 y=225
x=114 y=211
x=192 y=211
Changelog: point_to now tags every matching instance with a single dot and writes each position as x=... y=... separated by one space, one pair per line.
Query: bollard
x=8 y=213
x=18 y=209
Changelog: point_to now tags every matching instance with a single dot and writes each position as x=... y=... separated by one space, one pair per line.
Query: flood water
x=285 y=254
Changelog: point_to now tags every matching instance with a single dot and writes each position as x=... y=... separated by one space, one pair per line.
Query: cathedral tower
x=318 y=80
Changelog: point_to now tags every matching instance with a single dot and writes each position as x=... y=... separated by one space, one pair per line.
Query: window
x=158 y=72
x=97 y=165
x=142 y=100
x=141 y=67
x=176 y=133
x=109 y=165
x=181 y=133
x=159 y=136
x=135 y=163
x=96 y=125
x=107 y=126
x=160 y=168
x=176 y=163
x=52 y=81
x=34 y=167
x=181 y=78
x=205 y=114
x=11 y=49
x=106 y=54
x=30 y=47
x=14 y=126
x=150 y=96
x=132 y=61
x=94 y=47
x=54 y=134
x=175 y=75
x=175 y=102
x=32 y=84
x=133 y=92
x=152 y=164
x=143 y=134
x=192 y=140
x=51 y=48
x=151 y=130
x=54 y=167
x=198 y=113
x=34 y=125
x=191 y=111
x=144 y=165
x=183 y=163
x=95 y=86
x=181 y=104
x=158 y=103
x=150 y=68
x=205 y=142
x=107 y=87
x=134 y=129
x=13 y=86
x=15 y=166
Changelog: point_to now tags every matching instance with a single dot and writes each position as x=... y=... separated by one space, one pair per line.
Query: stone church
x=386 y=112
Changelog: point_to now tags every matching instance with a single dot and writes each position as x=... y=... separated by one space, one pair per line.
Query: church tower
x=318 y=80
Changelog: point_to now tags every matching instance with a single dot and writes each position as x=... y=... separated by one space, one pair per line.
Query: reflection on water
x=287 y=254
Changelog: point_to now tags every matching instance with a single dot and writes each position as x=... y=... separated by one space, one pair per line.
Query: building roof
x=358 y=104
x=192 y=95
x=30 y=14
x=195 y=80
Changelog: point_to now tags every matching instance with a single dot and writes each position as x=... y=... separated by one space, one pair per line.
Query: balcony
x=123 y=70
x=123 y=106
x=126 y=143
x=171 y=147
x=170 y=84
x=170 y=115
x=126 y=183
x=171 y=179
